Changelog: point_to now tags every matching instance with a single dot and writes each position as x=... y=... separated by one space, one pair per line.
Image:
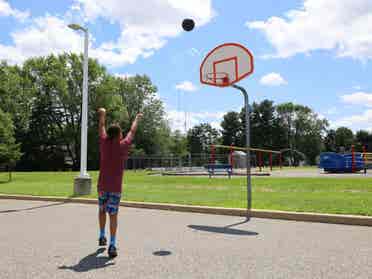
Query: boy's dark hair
x=113 y=131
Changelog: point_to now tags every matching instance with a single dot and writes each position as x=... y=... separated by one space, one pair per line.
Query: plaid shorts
x=109 y=202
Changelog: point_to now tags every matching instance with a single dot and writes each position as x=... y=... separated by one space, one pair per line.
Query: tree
x=304 y=131
x=231 y=129
x=262 y=124
x=311 y=141
x=330 y=141
x=363 y=139
x=266 y=129
x=53 y=133
x=344 y=138
x=15 y=98
x=140 y=95
x=200 y=137
x=292 y=128
x=178 y=144
x=9 y=150
x=43 y=98
x=286 y=113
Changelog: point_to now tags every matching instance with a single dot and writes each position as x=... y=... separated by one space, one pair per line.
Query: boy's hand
x=101 y=112
x=139 y=116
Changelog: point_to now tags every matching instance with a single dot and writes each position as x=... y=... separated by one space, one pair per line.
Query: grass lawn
x=326 y=195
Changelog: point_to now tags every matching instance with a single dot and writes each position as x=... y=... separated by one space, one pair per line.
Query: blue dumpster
x=334 y=162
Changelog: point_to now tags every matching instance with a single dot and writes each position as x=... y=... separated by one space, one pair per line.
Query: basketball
x=188 y=24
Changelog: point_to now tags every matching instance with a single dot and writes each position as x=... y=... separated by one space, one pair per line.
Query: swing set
x=271 y=157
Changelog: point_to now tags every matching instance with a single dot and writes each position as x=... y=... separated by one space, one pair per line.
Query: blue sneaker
x=112 y=252
x=102 y=241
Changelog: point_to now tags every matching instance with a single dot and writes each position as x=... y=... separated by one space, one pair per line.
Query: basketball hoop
x=220 y=78
x=226 y=64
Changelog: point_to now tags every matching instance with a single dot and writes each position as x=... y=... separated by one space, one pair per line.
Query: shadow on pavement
x=224 y=230
x=31 y=208
x=162 y=253
x=239 y=223
x=92 y=261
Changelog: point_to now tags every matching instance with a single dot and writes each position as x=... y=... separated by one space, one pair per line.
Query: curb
x=256 y=213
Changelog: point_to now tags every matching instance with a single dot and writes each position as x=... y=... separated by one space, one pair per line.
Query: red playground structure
x=261 y=157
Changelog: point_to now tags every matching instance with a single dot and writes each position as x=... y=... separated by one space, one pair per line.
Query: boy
x=113 y=153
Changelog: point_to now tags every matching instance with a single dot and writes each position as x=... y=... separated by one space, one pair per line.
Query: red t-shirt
x=113 y=154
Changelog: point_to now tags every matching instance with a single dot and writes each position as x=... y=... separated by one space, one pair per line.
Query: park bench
x=212 y=168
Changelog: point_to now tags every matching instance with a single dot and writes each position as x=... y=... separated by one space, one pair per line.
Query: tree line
x=40 y=116
x=295 y=130
x=40 y=112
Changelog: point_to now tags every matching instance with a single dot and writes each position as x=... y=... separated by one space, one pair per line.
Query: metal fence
x=188 y=162
x=167 y=162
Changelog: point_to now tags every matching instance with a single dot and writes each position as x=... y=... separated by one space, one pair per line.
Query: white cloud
x=321 y=116
x=209 y=115
x=355 y=122
x=142 y=30
x=186 y=86
x=7 y=10
x=145 y=25
x=273 y=79
x=194 y=52
x=332 y=111
x=124 y=75
x=341 y=25
x=357 y=87
x=358 y=98
x=44 y=36
x=177 y=119
x=216 y=125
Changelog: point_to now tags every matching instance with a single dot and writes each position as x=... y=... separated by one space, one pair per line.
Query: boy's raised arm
x=133 y=128
x=101 y=124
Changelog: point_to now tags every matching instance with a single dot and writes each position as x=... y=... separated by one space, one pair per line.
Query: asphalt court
x=59 y=240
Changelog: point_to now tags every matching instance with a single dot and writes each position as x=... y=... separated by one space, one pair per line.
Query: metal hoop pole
x=365 y=158
x=248 y=153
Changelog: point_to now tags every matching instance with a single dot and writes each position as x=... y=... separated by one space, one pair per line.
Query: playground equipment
x=350 y=162
x=367 y=159
x=212 y=168
x=224 y=66
x=236 y=154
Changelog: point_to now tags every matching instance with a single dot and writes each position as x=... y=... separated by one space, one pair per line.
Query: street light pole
x=84 y=118
x=82 y=183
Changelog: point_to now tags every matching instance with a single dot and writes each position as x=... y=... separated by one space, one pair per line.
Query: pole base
x=82 y=186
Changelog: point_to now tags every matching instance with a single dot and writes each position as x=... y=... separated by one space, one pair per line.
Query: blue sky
x=313 y=52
